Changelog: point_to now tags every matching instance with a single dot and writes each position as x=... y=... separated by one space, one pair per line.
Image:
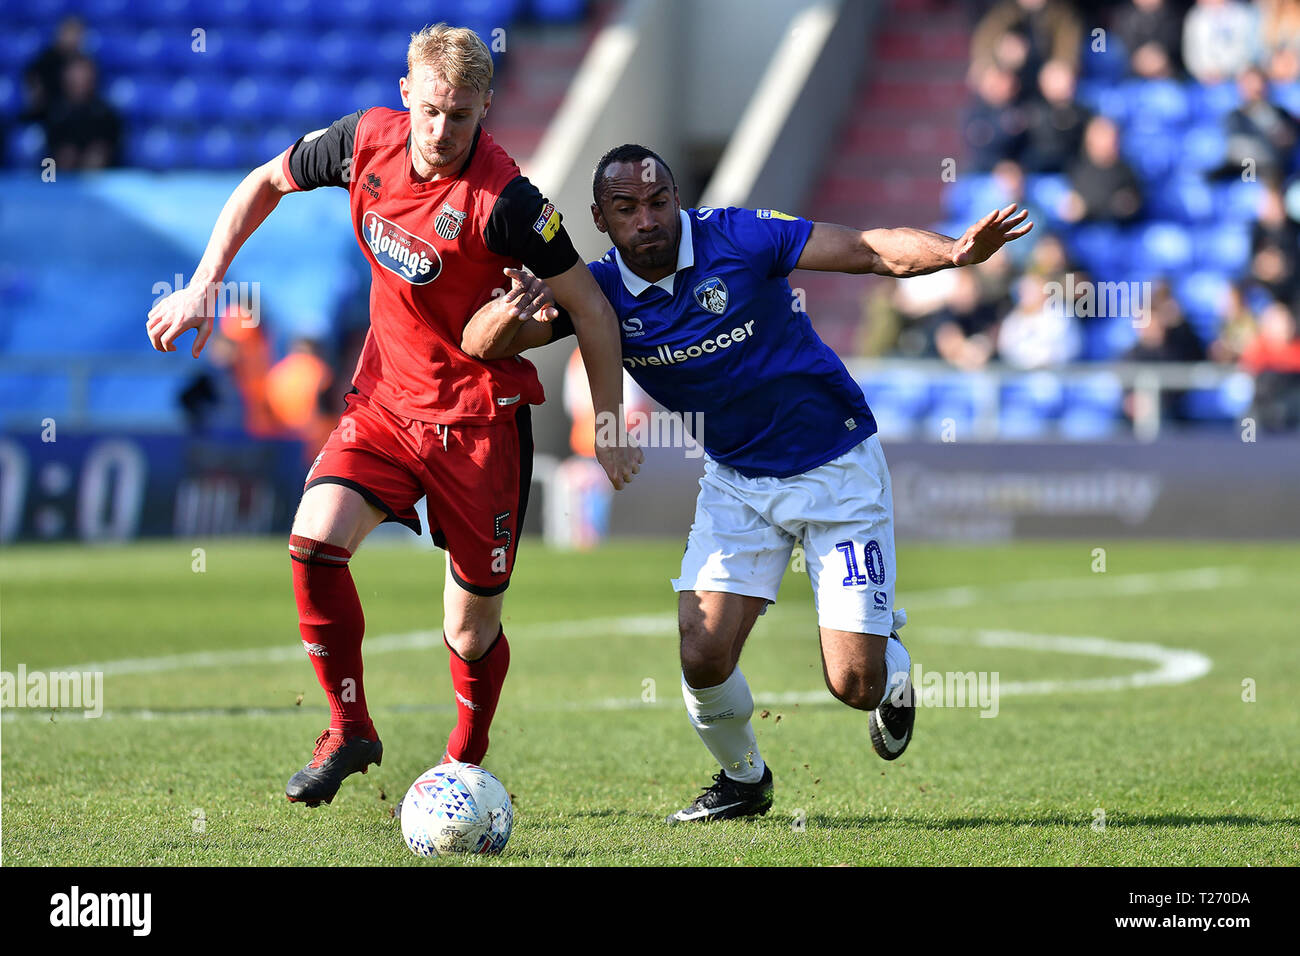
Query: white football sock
x=898 y=665
x=720 y=715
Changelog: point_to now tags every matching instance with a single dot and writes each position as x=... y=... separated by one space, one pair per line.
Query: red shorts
x=475 y=477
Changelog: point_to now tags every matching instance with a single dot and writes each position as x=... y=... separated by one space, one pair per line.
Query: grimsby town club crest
x=448 y=222
x=711 y=294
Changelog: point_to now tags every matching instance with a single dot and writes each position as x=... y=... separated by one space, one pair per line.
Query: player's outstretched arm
x=596 y=327
x=192 y=307
x=909 y=252
x=514 y=322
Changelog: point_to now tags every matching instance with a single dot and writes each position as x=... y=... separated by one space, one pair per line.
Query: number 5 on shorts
x=874 y=559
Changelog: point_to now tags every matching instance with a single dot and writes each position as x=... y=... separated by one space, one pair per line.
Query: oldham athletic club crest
x=711 y=294
x=448 y=222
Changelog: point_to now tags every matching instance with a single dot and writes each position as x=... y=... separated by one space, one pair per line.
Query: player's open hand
x=620 y=461
x=527 y=298
x=184 y=309
x=990 y=234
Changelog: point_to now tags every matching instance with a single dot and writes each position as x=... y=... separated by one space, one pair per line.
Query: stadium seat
x=20 y=46
x=157 y=147
x=1203 y=147
x=1202 y=296
x=1020 y=423
x=1153 y=153
x=1038 y=393
x=11 y=97
x=1045 y=191
x=1226 y=402
x=1156 y=104
x=1184 y=198
x=1161 y=247
x=1109 y=64
x=130 y=399
x=1211 y=102
x=1237 y=201
x=1095 y=391
x=905 y=391
x=1099 y=247
x=1287 y=96
x=219 y=149
x=1223 y=248
x=1085 y=424
x=1104 y=98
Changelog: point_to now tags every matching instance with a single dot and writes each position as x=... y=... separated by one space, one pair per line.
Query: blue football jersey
x=725 y=338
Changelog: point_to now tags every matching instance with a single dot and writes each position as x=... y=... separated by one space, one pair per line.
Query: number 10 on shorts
x=872 y=557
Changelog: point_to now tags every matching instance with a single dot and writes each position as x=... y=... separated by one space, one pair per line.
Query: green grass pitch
x=1083 y=763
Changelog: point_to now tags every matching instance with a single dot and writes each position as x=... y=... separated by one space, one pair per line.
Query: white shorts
x=842 y=513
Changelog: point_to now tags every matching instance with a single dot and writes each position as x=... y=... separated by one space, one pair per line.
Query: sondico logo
x=666 y=356
x=412 y=258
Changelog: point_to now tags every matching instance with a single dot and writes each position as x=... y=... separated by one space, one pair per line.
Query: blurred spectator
x=1038 y=332
x=1103 y=188
x=83 y=131
x=1261 y=135
x=1055 y=122
x=1220 y=39
x=43 y=78
x=995 y=126
x=1280 y=34
x=1022 y=35
x=1163 y=333
x=1152 y=33
x=295 y=388
x=1275 y=239
x=1273 y=357
x=1236 y=330
x=249 y=367
x=964 y=327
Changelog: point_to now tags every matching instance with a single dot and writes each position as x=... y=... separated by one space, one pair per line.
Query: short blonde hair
x=457 y=54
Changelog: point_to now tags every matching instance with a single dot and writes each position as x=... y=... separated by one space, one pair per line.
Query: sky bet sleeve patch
x=773 y=214
x=548 y=223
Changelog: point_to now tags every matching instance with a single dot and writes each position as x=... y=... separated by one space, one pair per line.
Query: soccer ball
x=456 y=808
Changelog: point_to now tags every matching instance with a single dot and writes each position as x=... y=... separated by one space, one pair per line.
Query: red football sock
x=478 y=688
x=331 y=622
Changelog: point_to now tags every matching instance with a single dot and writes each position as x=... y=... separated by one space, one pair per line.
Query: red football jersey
x=436 y=251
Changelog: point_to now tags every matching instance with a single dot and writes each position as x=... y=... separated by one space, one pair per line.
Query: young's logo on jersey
x=412 y=258
x=711 y=294
x=548 y=223
x=632 y=327
x=773 y=214
x=448 y=222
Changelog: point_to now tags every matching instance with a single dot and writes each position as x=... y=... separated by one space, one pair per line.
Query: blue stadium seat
x=1109 y=64
x=106 y=11
x=1087 y=424
x=11 y=97
x=1038 y=393
x=157 y=147
x=1045 y=191
x=1096 y=391
x=1153 y=153
x=1224 y=248
x=1105 y=98
x=1227 y=402
x=248 y=99
x=136 y=400
x=1287 y=96
x=1203 y=147
x=954 y=397
x=1157 y=104
x=19 y=46
x=1161 y=247
x=140 y=97
x=218 y=148
x=1203 y=296
x=1107 y=337
x=1020 y=423
x=1210 y=102
x=1099 y=247
x=1184 y=198
x=25 y=146
x=905 y=391
x=1237 y=201
x=231 y=13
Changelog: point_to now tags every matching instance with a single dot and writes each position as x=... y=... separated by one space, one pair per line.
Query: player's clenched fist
x=185 y=309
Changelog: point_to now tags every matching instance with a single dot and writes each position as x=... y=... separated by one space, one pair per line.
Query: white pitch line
x=665 y=625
